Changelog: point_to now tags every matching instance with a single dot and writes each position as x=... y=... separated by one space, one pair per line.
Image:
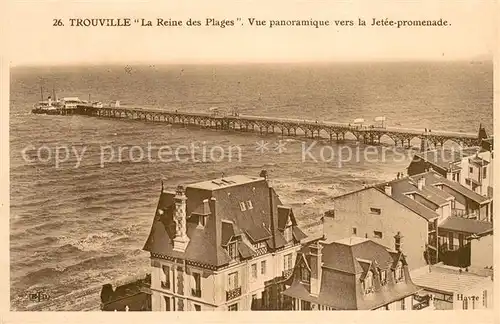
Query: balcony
x=233 y=293
x=287 y=273
x=196 y=293
x=464 y=213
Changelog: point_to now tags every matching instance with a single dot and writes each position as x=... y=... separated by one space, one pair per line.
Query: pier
x=284 y=126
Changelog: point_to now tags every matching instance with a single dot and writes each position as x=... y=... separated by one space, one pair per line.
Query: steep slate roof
x=344 y=263
x=226 y=219
x=470 y=226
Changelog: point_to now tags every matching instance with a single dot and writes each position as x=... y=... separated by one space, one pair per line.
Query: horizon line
x=263 y=62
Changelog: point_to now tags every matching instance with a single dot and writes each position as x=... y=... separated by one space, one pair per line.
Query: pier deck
x=284 y=126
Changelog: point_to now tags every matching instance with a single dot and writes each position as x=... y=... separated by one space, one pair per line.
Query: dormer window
x=242 y=206
x=232 y=249
x=383 y=277
x=368 y=282
x=288 y=234
x=305 y=276
x=260 y=245
x=249 y=204
x=399 y=272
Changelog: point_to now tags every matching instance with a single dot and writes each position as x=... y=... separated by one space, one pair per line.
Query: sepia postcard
x=332 y=157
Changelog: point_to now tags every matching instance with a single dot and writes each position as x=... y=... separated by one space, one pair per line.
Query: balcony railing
x=287 y=273
x=464 y=213
x=196 y=292
x=233 y=293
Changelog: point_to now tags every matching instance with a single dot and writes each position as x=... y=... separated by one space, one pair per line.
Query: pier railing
x=368 y=134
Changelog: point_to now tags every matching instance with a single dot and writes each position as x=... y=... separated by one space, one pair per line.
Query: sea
x=84 y=189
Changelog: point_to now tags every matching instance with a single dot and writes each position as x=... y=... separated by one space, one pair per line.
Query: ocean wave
x=92 y=242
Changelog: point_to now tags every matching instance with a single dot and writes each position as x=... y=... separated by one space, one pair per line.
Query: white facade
x=214 y=284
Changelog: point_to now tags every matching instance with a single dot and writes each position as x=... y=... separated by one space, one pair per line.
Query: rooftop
x=448 y=279
x=345 y=263
x=403 y=188
x=466 y=225
x=241 y=209
x=353 y=240
x=445 y=159
x=224 y=182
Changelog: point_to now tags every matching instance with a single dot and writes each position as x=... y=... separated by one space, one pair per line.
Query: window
x=377 y=234
x=287 y=262
x=485 y=299
x=165 y=284
x=233 y=307
x=399 y=272
x=467 y=181
x=254 y=296
x=450 y=240
x=305 y=305
x=383 y=277
x=465 y=304
x=167 y=303
x=233 y=251
x=197 y=307
x=368 y=282
x=330 y=213
x=376 y=211
x=242 y=206
x=354 y=231
x=471 y=170
x=305 y=276
x=232 y=281
x=403 y=304
x=259 y=245
x=288 y=234
x=202 y=220
x=249 y=205
x=263 y=267
x=196 y=284
x=254 y=271
x=484 y=172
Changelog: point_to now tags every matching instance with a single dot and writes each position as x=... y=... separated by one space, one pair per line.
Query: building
x=415 y=205
x=481 y=246
x=457 y=235
x=224 y=244
x=131 y=296
x=471 y=167
x=353 y=274
x=456 y=288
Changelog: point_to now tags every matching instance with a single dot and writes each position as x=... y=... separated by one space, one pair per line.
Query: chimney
x=206 y=207
x=263 y=174
x=388 y=189
x=181 y=239
x=315 y=263
x=213 y=206
x=397 y=241
x=421 y=183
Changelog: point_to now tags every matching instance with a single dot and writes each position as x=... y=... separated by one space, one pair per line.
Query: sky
x=34 y=41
